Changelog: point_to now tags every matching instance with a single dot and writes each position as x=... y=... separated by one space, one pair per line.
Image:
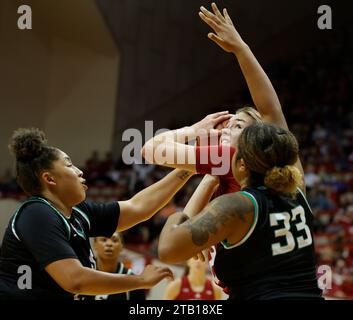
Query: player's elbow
x=76 y=282
x=167 y=253
x=73 y=286
x=69 y=274
x=166 y=257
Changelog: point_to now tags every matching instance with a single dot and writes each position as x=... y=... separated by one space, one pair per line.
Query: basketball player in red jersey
x=268 y=110
x=194 y=285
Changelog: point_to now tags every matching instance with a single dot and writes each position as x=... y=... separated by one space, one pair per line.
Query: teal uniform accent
x=225 y=243
x=40 y=200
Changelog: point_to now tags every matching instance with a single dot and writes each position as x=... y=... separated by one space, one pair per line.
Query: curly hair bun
x=27 y=143
x=283 y=179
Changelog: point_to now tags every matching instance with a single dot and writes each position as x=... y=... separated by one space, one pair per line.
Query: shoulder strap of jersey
x=40 y=200
x=84 y=216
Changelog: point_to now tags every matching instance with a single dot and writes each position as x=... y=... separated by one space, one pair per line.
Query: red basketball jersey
x=186 y=292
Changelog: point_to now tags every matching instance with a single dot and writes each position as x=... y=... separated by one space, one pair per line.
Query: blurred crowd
x=316 y=92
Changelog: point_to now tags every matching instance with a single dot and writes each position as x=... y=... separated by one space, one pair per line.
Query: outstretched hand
x=153 y=275
x=225 y=34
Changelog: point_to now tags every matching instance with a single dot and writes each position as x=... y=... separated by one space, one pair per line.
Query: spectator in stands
x=93 y=167
x=311 y=178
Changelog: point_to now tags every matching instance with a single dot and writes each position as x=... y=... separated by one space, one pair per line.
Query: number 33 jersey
x=276 y=258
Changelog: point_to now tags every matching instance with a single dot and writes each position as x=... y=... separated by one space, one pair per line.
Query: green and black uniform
x=276 y=259
x=38 y=234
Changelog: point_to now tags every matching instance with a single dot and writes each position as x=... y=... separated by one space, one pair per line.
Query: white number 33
x=278 y=248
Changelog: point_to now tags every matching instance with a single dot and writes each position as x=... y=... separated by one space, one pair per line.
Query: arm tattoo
x=182 y=175
x=201 y=228
x=220 y=212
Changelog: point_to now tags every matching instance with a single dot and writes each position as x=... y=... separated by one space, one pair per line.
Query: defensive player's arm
x=227 y=217
x=150 y=200
x=73 y=277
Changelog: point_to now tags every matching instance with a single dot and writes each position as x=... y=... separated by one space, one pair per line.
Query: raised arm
x=170 y=149
x=150 y=200
x=262 y=92
x=228 y=217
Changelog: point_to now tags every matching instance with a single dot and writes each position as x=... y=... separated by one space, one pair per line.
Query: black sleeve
x=103 y=217
x=44 y=234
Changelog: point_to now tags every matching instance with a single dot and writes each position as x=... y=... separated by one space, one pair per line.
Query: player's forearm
x=260 y=86
x=167 y=147
x=201 y=196
x=156 y=196
x=182 y=135
x=93 y=282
